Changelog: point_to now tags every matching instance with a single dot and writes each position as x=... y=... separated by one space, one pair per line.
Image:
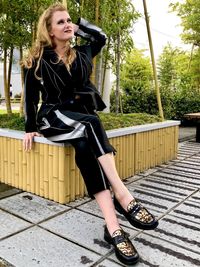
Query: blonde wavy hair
x=43 y=39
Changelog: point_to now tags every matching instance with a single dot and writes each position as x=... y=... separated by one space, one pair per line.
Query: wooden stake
x=153 y=61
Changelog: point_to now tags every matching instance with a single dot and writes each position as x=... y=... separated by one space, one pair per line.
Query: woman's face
x=62 y=28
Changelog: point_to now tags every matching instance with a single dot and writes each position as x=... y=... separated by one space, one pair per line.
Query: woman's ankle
x=112 y=228
x=124 y=200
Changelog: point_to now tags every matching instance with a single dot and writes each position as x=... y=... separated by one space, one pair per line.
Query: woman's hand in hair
x=28 y=140
x=76 y=27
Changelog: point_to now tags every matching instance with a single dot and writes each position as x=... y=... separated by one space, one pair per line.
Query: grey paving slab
x=164 y=187
x=180 y=232
x=93 y=208
x=10 y=224
x=149 y=171
x=181 y=157
x=78 y=202
x=190 y=162
x=177 y=178
x=132 y=179
x=155 y=252
x=185 y=153
x=37 y=247
x=196 y=156
x=4 y=187
x=6 y=190
x=189 y=210
x=189 y=149
x=190 y=144
x=82 y=228
x=186 y=133
x=9 y=193
x=196 y=197
x=108 y=263
x=154 y=200
x=190 y=170
x=31 y=207
x=185 y=170
x=189 y=165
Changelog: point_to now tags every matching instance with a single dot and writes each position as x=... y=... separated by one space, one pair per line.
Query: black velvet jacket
x=58 y=86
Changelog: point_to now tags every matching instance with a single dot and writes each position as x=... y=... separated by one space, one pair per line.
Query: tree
x=153 y=61
x=18 y=27
x=17 y=30
x=116 y=18
x=177 y=81
x=172 y=67
x=120 y=18
x=137 y=83
x=189 y=12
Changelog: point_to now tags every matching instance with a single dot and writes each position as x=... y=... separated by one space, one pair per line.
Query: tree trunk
x=105 y=65
x=153 y=61
x=36 y=6
x=93 y=76
x=21 y=107
x=99 y=72
x=117 y=93
x=6 y=86
x=10 y=71
x=191 y=56
x=81 y=8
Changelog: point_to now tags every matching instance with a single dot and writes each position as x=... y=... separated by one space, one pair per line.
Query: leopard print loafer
x=137 y=215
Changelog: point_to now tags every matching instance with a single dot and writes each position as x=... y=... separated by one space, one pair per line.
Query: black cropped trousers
x=88 y=137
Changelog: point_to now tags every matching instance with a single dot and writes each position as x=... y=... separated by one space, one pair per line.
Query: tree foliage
x=189 y=12
x=17 y=30
x=178 y=84
x=116 y=18
x=137 y=93
x=173 y=69
x=18 y=26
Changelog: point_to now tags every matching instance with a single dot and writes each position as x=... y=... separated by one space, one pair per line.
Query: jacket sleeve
x=93 y=34
x=31 y=97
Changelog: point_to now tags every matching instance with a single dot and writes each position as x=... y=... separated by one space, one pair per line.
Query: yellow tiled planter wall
x=49 y=170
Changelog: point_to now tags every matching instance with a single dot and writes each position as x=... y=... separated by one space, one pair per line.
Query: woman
x=61 y=74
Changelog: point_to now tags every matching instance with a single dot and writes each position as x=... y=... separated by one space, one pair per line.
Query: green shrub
x=114 y=121
x=109 y=120
x=175 y=104
x=13 y=121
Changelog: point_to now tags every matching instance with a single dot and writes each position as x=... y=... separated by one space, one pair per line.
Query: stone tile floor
x=38 y=232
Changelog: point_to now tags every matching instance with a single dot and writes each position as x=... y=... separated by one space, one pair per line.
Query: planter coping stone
x=111 y=133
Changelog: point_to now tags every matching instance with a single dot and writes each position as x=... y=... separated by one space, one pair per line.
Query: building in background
x=15 y=76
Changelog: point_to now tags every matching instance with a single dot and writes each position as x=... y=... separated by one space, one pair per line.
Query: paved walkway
x=37 y=232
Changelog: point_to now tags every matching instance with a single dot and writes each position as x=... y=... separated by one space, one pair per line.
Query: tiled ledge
x=111 y=133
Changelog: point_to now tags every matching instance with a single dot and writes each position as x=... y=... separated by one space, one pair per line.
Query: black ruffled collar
x=49 y=54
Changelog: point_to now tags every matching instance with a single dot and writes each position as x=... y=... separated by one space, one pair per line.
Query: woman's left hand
x=76 y=27
x=28 y=140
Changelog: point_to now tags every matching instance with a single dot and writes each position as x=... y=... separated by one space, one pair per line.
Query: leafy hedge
x=174 y=105
x=114 y=121
x=109 y=120
x=14 y=121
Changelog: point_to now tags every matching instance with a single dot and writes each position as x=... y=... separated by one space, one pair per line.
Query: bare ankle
x=112 y=228
x=124 y=200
